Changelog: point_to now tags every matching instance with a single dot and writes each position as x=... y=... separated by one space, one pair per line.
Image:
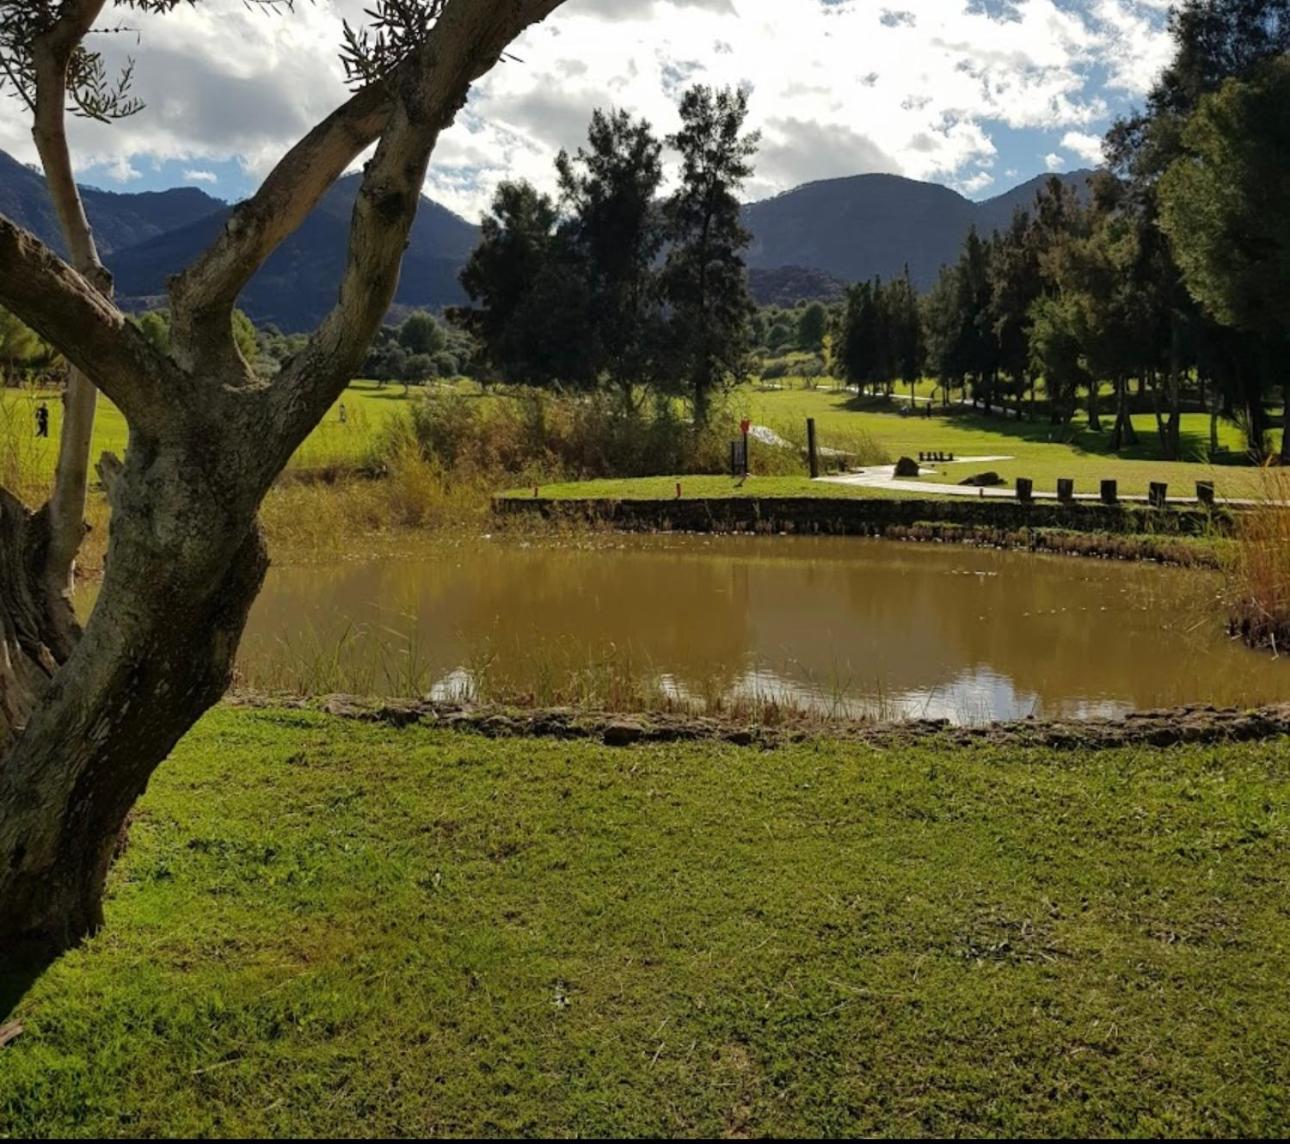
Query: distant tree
x=1225 y=208
x=704 y=282
x=860 y=342
x=20 y=345
x=1015 y=284
x=155 y=327
x=943 y=332
x=417 y=370
x=905 y=338
x=421 y=334
x=811 y=327
x=960 y=335
x=1214 y=40
x=609 y=189
x=530 y=290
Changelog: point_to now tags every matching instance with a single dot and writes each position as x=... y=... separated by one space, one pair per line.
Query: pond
x=836 y=626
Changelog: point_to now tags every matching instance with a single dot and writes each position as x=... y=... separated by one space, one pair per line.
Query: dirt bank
x=1162 y=728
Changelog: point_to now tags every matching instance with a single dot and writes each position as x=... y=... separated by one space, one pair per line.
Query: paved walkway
x=884 y=477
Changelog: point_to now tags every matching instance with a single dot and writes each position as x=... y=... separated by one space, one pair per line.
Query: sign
x=744 y=426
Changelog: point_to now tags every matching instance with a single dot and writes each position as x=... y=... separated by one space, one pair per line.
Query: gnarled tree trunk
x=37 y=628
x=85 y=722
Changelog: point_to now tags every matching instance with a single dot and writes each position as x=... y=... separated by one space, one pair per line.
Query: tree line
x=616 y=285
x=1169 y=278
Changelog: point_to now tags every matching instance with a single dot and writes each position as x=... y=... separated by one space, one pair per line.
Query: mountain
x=807 y=243
x=118 y=220
x=144 y=238
x=298 y=283
x=875 y=225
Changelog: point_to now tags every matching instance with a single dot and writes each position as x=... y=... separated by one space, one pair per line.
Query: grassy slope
x=325 y=927
x=1040 y=453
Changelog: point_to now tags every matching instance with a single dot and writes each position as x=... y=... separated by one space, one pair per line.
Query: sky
x=980 y=95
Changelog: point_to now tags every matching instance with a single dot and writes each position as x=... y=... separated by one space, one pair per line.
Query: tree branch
x=87 y=328
x=202 y=296
x=431 y=86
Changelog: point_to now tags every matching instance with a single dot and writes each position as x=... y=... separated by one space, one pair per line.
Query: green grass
x=331 y=443
x=1042 y=451
x=323 y=927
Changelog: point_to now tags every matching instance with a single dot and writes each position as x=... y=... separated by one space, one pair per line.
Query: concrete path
x=884 y=477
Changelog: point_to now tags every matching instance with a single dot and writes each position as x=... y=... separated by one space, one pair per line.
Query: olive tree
x=87 y=715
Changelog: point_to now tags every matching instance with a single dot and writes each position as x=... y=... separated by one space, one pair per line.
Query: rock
x=906 y=467
x=983 y=480
x=622 y=734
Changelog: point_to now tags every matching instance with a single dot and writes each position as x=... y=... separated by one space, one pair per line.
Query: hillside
x=807 y=243
x=119 y=220
x=298 y=284
x=876 y=225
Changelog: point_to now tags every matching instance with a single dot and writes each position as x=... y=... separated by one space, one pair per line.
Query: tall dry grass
x=1258 y=574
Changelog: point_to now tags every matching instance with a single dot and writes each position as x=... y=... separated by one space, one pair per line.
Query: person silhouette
x=42 y=420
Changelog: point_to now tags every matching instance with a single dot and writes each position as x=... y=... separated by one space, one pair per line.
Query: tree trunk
x=37 y=628
x=1123 y=433
x=156 y=654
x=1094 y=420
x=1285 y=426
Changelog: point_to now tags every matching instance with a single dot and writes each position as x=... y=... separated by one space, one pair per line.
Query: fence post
x=1110 y=492
x=1065 y=489
x=1025 y=489
x=811 y=452
x=1159 y=494
x=1205 y=493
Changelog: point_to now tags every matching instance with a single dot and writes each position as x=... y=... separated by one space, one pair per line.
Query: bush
x=534 y=435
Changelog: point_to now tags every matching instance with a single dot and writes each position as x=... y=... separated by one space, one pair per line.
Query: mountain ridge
x=814 y=238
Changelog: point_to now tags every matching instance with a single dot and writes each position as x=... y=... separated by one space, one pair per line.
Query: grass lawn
x=1039 y=448
x=324 y=927
x=331 y=443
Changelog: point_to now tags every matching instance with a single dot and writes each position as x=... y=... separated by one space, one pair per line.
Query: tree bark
x=157 y=652
x=1285 y=425
x=1094 y=421
x=37 y=630
x=84 y=723
x=51 y=57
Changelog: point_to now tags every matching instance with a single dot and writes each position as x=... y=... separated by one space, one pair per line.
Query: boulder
x=906 y=467
x=983 y=480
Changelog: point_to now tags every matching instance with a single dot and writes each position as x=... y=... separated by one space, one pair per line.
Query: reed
x=1258 y=571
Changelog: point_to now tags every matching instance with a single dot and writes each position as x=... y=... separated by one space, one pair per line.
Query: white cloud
x=975 y=183
x=1087 y=147
x=200 y=177
x=1053 y=161
x=928 y=88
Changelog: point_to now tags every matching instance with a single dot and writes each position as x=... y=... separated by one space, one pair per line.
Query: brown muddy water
x=835 y=627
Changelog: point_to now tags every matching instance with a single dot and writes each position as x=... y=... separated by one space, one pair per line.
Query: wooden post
x=1158 y=495
x=1065 y=489
x=1110 y=492
x=812 y=454
x=1205 y=493
x=1025 y=489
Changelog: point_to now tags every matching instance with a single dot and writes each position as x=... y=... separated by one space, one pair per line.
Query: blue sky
x=977 y=94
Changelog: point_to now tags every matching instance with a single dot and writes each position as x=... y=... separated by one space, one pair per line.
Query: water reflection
x=842 y=625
